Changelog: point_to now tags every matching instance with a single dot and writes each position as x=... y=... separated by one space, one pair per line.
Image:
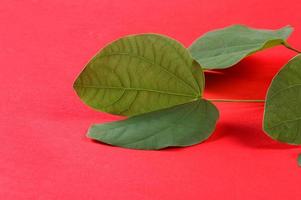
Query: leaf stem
x=239 y=100
x=291 y=48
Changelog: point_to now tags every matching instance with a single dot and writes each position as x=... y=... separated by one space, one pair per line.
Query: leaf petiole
x=238 y=100
x=291 y=48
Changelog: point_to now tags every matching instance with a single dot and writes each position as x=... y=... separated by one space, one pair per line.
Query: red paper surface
x=44 y=153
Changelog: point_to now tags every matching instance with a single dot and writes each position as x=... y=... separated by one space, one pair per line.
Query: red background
x=44 y=153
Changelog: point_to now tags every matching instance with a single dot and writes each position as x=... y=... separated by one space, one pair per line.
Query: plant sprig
x=158 y=84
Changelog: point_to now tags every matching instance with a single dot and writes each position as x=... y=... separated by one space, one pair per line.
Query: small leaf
x=299 y=160
x=282 y=117
x=138 y=74
x=181 y=125
x=225 y=47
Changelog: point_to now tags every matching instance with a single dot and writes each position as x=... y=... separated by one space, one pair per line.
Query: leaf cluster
x=158 y=84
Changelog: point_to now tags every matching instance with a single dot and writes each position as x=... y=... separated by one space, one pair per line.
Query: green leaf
x=181 y=125
x=138 y=74
x=225 y=47
x=282 y=117
x=299 y=160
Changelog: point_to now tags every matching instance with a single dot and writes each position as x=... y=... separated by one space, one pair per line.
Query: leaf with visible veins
x=138 y=74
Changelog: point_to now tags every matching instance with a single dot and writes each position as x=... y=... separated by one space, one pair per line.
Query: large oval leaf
x=138 y=74
x=181 y=125
x=282 y=118
x=225 y=47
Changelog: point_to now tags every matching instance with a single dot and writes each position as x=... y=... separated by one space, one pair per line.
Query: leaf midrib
x=249 y=50
x=220 y=48
x=135 y=89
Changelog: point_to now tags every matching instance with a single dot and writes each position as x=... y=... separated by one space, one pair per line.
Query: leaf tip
x=75 y=83
x=91 y=133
